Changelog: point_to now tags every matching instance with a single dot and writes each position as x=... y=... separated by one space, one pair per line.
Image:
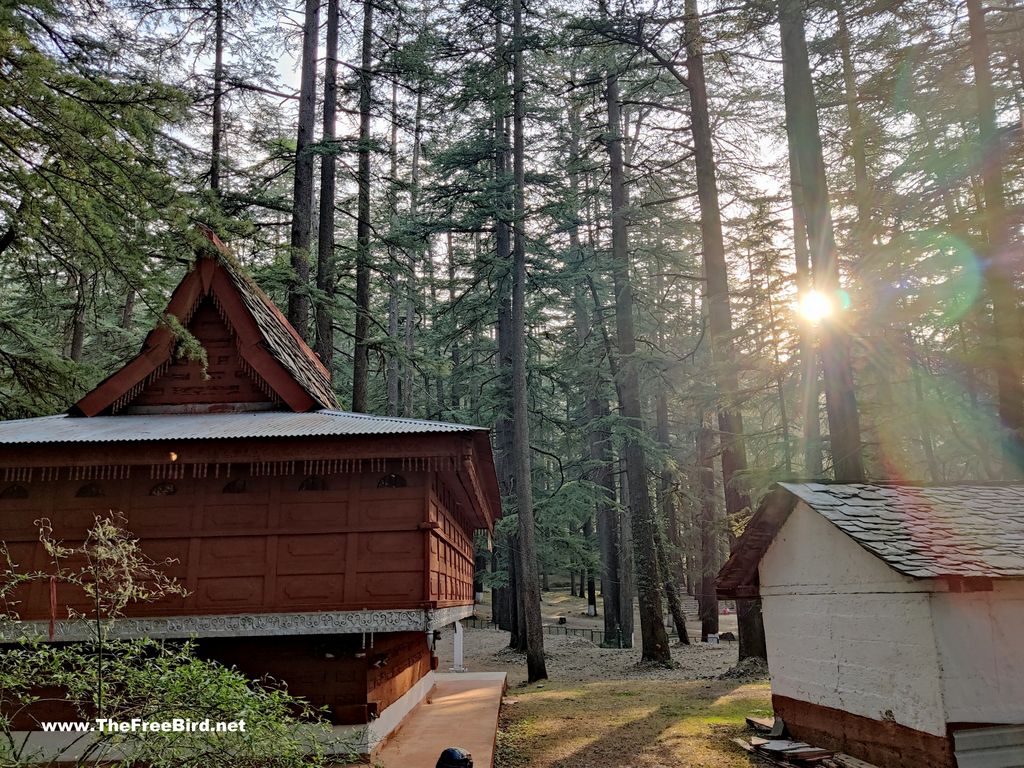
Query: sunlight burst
x=816 y=306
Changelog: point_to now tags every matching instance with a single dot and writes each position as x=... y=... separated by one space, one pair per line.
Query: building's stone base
x=880 y=742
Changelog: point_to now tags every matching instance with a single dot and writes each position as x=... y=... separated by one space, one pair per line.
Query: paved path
x=461 y=712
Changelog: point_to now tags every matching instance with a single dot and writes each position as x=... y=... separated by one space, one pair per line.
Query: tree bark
x=128 y=310
x=361 y=352
x=529 y=588
x=999 y=262
x=408 y=407
x=517 y=633
x=325 y=232
x=802 y=127
x=217 y=128
x=730 y=418
x=393 y=368
x=858 y=150
x=675 y=608
x=76 y=346
x=654 y=639
x=813 y=467
x=302 y=197
x=708 y=533
x=503 y=290
x=454 y=390
x=598 y=449
x=627 y=566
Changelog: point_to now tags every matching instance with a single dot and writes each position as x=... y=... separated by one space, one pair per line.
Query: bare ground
x=601 y=708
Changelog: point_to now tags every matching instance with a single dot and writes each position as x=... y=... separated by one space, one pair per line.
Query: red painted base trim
x=880 y=742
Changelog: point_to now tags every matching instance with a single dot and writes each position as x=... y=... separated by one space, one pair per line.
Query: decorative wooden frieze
x=166 y=471
x=18 y=475
x=331 y=466
x=100 y=472
x=271 y=468
x=245 y=625
x=130 y=395
x=429 y=463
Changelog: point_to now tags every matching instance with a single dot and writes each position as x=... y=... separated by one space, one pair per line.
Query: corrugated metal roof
x=215 y=426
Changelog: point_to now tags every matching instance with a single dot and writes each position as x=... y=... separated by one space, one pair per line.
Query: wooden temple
x=320 y=547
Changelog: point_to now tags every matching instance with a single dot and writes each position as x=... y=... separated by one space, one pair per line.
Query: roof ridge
x=401 y=419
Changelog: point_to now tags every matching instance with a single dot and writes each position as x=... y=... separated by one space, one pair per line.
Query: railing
x=596 y=636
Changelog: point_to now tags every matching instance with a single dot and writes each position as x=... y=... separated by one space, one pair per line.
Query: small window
x=89 y=491
x=14 y=492
x=391 y=480
x=237 y=485
x=313 y=483
x=163 y=489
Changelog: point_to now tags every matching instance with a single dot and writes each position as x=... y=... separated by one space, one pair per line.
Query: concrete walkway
x=461 y=712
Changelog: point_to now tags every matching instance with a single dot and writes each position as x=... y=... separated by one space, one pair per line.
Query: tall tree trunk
x=412 y=289
x=730 y=418
x=217 y=129
x=529 y=588
x=708 y=532
x=1000 y=265
x=808 y=346
x=802 y=127
x=598 y=449
x=302 y=194
x=325 y=233
x=454 y=390
x=858 y=150
x=128 y=310
x=668 y=542
x=517 y=633
x=393 y=368
x=503 y=363
x=627 y=564
x=430 y=271
x=652 y=627
x=361 y=353
x=591 y=586
x=675 y=607
x=76 y=344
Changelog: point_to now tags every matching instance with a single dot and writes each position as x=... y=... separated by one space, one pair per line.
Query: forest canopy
x=671 y=251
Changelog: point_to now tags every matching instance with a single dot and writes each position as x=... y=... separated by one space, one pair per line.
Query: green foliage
x=124 y=679
x=159 y=682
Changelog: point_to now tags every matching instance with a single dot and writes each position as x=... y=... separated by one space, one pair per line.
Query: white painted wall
x=980 y=637
x=846 y=631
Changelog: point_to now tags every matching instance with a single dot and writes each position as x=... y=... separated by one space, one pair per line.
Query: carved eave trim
x=244 y=625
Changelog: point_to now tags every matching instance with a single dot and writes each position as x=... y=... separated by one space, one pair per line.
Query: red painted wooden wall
x=263 y=544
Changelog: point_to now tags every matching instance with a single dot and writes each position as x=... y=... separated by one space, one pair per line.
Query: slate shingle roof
x=955 y=531
x=280 y=338
x=929 y=531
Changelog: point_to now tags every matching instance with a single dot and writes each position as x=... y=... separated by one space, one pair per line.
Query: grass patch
x=628 y=724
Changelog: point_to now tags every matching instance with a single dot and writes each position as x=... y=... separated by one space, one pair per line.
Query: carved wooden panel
x=225 y=379
x=271 y=548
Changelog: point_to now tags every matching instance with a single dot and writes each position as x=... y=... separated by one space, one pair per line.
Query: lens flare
x=816 y=306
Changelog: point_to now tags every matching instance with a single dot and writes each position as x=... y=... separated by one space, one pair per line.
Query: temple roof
x=269 y=348
x=952 y=531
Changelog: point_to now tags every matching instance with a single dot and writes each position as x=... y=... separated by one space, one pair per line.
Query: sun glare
x=815 y=306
